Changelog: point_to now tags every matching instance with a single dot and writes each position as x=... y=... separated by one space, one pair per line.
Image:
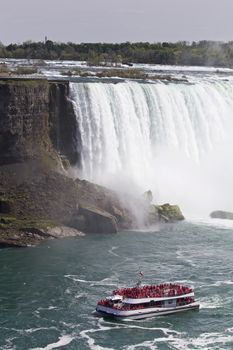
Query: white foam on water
x=105 y=326
x=156 y=343
x=51 y=307
x=211 y=222
x=33 y=330
x=214 y=302
x=171 y=68
x=63 y=341
x=169 y=335
x=218 y=284
x=9 y=344
x=165 y=331
x=146 y=345
x=90 y=341
x=104 y=282
x=148 y=229
x=178 y=340
x=230 y=330
x=205 y=341
x=81 y=295
x=112 y=251
x=182 y=255
x=187 y=282
x=69 y=325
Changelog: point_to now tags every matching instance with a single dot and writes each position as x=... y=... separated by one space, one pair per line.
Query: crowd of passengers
x=162 y=290
x=128 y=307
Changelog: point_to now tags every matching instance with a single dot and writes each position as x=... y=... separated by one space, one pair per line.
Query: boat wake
x=112 y=251
x=215 y=302
x=107 y=326
x=104 y=282
x=182 y=255
x=167 y=337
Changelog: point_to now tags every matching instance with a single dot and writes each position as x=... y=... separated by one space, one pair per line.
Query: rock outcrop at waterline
x=160 y=213
x=38 y=139
x=164 y=213
x=92 y=219
x=221 y=214
x=37 y=203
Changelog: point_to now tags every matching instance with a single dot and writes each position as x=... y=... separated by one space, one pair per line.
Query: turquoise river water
x=48 y=293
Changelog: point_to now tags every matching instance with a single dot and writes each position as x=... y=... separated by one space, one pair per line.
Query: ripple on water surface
x=51 y=291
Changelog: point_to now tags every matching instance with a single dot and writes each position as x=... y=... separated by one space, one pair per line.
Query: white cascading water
x=175 y=139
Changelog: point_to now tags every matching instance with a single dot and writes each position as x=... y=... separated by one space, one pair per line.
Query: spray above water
x=174 y=139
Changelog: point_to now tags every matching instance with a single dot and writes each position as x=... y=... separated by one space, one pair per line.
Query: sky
x=115 y=20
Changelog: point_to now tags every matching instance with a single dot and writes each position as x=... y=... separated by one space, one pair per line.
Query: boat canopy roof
x=159 y=292
x=148 y=299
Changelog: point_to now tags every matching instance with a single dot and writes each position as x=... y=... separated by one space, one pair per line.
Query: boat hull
x=142 y=314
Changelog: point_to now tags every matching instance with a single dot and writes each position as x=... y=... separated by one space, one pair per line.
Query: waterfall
x=173 y=138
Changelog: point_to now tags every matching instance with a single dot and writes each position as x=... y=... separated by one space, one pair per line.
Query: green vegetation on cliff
x=202 y=53
x=38 y=139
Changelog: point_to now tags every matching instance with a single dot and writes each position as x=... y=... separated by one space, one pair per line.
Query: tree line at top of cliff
x=202 y=53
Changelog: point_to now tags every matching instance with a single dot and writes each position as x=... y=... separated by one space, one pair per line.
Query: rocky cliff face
x=36 y=121
x=24 y=118
x=63 y=131
x=38 y=129
x=38 y=132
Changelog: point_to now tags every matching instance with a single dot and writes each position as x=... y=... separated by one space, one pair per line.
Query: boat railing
x=128 y=306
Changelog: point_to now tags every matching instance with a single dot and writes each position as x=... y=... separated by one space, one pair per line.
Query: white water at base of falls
x=175 y=139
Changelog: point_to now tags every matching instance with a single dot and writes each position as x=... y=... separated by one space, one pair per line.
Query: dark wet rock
x=24 y=234
x=99 y=197
x=23 y=120
x=157 y=213
x=44 y=202
x=5 y=205
x=19 y=239
x=94 y=220
x=170 y=213
x=37 y=121
x=63 y=128
x=148 y=196
x=63 y=232
x=126 y=63
x=221 y=214
x=164 y=213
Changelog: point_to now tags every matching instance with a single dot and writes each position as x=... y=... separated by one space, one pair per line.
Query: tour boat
x=147 y=301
